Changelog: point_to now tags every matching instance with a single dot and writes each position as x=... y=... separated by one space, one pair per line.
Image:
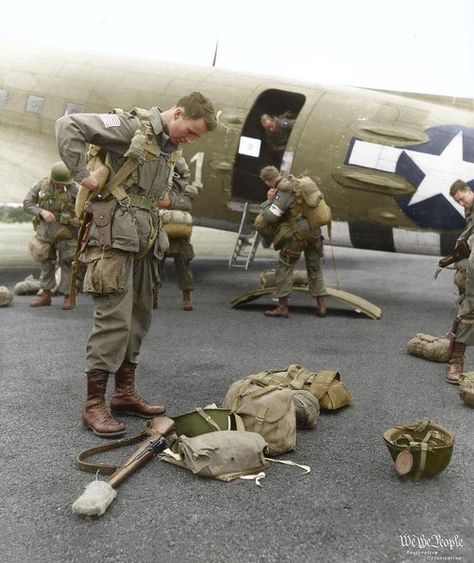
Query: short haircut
x=269 y=173
x=458 y=186
x=197 y=106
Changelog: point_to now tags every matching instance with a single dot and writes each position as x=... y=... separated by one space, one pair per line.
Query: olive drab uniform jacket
x=465 y=330
x=59 y=201
x=113 y=132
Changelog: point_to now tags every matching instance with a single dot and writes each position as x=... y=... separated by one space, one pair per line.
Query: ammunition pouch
x=102 y=212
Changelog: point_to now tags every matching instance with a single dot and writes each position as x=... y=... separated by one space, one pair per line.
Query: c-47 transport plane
x=386 y=159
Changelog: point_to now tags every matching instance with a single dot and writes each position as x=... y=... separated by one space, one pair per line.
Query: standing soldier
x=51 y=201
x=177 y=222
x=463 y=333
x=287 y=209
x=121 y=252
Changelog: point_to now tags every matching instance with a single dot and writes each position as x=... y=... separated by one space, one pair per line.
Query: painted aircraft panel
x=385 y=159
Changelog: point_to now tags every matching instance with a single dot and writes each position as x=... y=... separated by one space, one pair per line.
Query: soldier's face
x=184 y=130
x=465 y=198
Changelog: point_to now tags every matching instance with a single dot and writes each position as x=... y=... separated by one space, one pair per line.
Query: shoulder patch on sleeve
x=110 y=119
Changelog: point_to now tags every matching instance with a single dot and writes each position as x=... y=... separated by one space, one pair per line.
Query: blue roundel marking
x=436 y=211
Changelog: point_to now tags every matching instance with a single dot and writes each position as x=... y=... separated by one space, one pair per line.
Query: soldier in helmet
x=181 y=249
x=294 y=235
x=51 y=202
x=463 y=335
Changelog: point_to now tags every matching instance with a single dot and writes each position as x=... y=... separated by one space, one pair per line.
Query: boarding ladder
x=246 y=244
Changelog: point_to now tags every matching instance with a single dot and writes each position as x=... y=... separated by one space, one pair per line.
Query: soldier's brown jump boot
x=95 y=415
x=42 y=300
x=320 y=310
x=281 y=310
x=187 y=301
x=455 y=362
x=67 y=303
x=126 y=400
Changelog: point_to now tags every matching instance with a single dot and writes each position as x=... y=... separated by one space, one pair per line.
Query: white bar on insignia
x=414 y=242
x=340 y=235
x=373 y=155
x=249 y=146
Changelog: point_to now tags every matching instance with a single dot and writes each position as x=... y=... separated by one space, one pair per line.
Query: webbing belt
x=142 y=202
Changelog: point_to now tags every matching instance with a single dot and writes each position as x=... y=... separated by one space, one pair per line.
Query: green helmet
x=60 y=173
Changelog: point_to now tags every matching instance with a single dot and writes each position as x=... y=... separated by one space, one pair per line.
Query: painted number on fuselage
x=198 y=158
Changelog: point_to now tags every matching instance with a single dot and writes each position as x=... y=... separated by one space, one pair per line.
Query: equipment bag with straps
x=325 y=385
x=267 y=410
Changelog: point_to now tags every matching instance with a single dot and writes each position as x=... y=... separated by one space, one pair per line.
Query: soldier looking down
x=51 y=201
x=121 y=252
x=464 y=332
x=292 y=234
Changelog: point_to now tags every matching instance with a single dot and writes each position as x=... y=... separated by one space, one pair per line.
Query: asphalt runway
x=352 y=507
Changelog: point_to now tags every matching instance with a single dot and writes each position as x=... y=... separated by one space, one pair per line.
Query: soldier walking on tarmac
x=141 y=149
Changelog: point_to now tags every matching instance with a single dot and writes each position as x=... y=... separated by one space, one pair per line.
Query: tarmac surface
x=352 y=507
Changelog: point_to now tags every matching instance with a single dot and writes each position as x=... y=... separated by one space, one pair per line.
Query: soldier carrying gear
x=462 y=334
x=277 y=131
x=51 y=201
x=121 y=249
x=177 y=222
x=288 y=210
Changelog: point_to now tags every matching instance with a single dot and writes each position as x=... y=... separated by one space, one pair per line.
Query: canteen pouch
x=223 y=455
x=269 y=411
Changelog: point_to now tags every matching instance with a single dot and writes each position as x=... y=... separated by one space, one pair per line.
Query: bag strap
x=106 y=468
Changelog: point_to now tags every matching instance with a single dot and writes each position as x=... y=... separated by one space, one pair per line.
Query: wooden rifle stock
x=461 y=252
x=153 y=444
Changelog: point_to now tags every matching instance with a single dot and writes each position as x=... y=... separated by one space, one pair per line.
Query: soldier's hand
x=47 y=216
x=90 y=183
x=163 y=203
x=271 y=193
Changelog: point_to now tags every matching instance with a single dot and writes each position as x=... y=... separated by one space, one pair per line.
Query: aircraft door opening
x=264 y=140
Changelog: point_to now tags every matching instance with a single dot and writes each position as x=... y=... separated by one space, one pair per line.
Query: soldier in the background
x=291 y=225
x=51 y=201
x=463 y=331
x=177 y=222
x=277 y=131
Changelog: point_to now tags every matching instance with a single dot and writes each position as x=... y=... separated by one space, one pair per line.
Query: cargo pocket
x=106 y=270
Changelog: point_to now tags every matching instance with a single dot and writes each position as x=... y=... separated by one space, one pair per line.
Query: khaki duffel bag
x=177 y=224
x=434 y=348
x=466 y=388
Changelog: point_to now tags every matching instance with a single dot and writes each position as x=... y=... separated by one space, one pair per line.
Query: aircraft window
x=3 y=98
x=74 y=108
x=249 y=146
x=34 y=104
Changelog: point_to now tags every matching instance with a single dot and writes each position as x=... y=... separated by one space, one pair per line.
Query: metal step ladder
x=246 y=245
